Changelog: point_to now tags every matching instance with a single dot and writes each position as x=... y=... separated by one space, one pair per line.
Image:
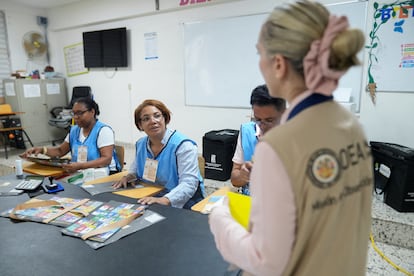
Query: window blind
x=4 y=53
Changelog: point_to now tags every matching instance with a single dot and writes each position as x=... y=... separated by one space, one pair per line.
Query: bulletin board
x=391 y=46
x=221 y=60
x=74 y=60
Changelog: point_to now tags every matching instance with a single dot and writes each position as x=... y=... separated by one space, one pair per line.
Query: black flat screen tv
x=105 y=48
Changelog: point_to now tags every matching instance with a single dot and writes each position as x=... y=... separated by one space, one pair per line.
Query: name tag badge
x=150 y=170
x=82 y=154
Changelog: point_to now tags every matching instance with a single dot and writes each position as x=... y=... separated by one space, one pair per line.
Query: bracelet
x=44 y=150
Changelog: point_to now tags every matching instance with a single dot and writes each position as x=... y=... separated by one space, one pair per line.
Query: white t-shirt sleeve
x=106 y=137
x=238 y=156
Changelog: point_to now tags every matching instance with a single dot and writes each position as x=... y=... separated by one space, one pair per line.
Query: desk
x=179 y=245
x=147 y=190
x=5 y=131
x=198 y=207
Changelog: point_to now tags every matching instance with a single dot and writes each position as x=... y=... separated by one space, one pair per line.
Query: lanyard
x=312 y=100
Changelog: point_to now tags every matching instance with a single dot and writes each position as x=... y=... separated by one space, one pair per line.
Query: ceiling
x=44 y=4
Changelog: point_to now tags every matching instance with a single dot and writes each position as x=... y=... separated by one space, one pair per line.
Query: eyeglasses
x=78 y=113
x=146 y=118
x=267 y=121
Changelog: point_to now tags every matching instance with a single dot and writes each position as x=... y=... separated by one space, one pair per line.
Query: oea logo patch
x=323 y=168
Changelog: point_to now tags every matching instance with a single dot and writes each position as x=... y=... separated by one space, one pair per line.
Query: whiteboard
x=221 y=62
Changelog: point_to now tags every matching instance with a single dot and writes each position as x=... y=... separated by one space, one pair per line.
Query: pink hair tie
x=318 y=76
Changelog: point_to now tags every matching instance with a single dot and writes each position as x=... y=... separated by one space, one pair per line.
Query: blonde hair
x=291 y=28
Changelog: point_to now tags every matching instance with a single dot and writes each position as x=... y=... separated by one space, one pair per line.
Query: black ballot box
x=218 y=150
x=394 y=174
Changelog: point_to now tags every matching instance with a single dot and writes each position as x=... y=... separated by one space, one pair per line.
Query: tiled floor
x=386 y=223
x=394 y=236
x=400 y=256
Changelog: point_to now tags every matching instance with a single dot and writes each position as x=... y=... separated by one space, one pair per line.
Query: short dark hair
x=260 y=96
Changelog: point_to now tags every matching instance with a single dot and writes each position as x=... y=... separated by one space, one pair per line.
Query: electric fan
x=34 y=44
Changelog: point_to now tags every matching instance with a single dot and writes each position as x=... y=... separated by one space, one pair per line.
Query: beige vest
x=328 y=161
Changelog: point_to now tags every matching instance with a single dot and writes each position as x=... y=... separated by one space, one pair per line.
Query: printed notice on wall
x=151 y=41
x=74 y=60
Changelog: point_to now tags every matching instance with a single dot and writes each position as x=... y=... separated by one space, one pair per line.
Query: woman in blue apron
x=90 y=142
x=164 y=157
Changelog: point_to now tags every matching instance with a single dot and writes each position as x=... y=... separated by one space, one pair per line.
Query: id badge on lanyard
x=82 y=154
x=150 y=169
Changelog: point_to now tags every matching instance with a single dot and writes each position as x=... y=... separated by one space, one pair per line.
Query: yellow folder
x=240 y=206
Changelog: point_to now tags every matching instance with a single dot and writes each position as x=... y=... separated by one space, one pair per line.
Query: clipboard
x=53 y=162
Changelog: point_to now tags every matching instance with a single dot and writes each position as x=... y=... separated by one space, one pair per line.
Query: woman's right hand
x=31 y=151
x=245 y=171
x=122 y=183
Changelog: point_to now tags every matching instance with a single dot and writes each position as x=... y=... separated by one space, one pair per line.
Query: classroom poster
x=391 y=46
x=74 y=60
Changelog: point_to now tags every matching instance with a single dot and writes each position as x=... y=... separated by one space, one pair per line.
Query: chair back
x=79 y=92
x=201 y=165
x=55 y=112
x=5 y=109
x=120 y=154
